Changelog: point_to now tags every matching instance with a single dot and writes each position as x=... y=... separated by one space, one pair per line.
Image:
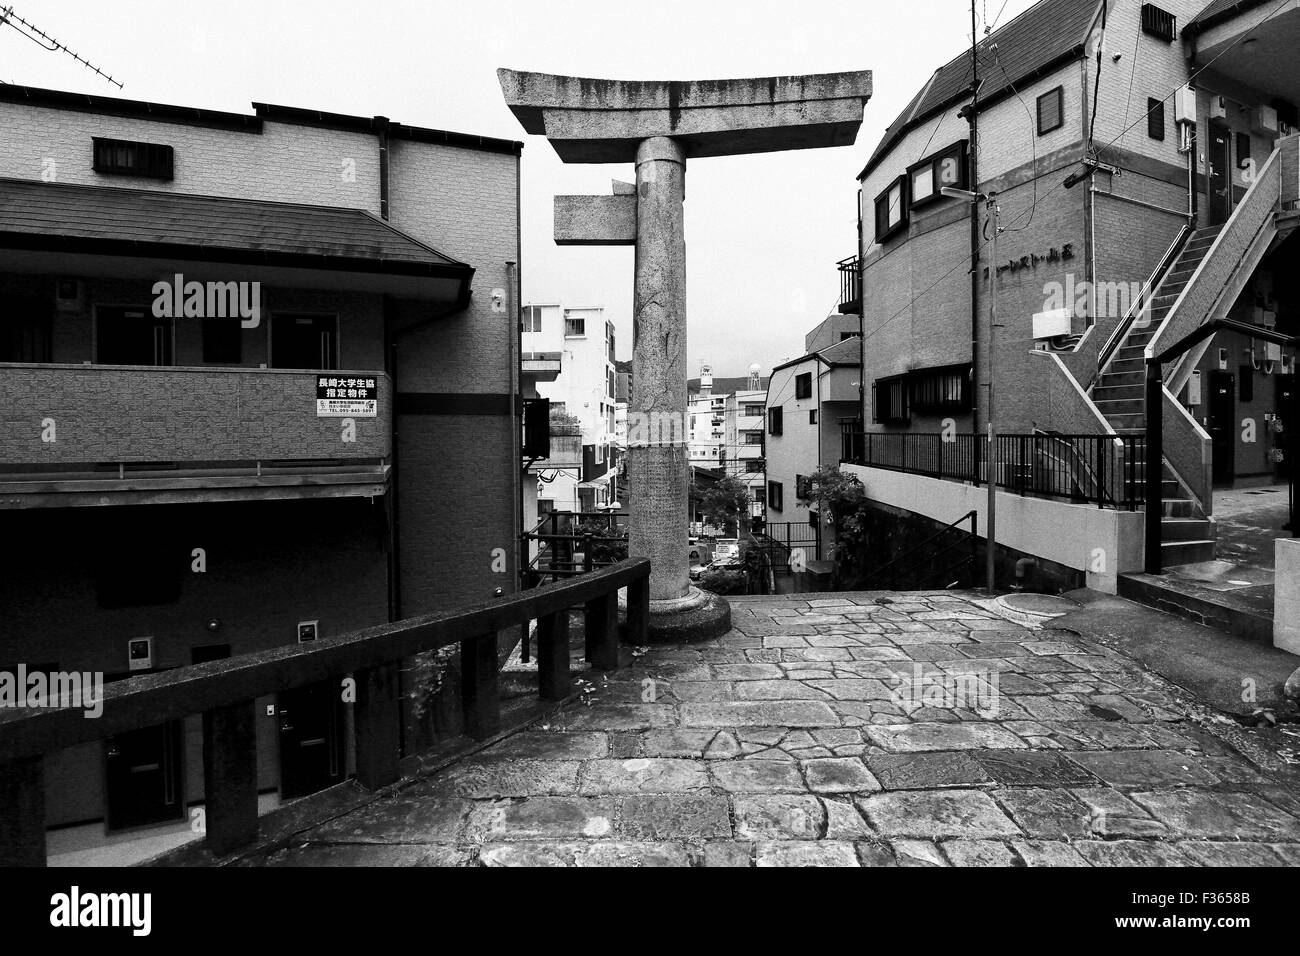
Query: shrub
x=723 y=582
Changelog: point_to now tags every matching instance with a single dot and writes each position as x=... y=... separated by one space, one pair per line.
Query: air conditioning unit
x=1185 y=105
x=1218 y=107
x=1054 y=322
x=68 y=295
x=1263 y=119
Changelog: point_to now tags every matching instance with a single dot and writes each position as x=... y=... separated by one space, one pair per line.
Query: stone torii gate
x=657 y=125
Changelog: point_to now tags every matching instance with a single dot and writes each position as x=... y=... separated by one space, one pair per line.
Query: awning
x=95 y=230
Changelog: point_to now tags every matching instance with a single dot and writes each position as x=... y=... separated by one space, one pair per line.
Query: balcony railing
x=225 y=693
x=850 y=285
x=81 y=418
x=1105 y=470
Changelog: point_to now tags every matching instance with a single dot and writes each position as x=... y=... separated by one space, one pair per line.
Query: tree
x=725 y=503
x=846 y=499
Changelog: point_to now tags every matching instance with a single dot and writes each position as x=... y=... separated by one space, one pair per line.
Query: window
x=119 y=157
x=930 y=175
x=1156 y=118
x=775 y=495
x=753 y=438
x=1158 y=23
x=848 y=335
x=801 y=486
x=574 y=327
x=533 y=318
x=803 y=385
x=941 y=389
x=753 y=410
x=222 y=340
x=812 y=416
x=760 y=495
x=1243 y=150
x=1051 y=110
x=891 y=211
x=752 y=465
x=774 y=421
x=889 y=400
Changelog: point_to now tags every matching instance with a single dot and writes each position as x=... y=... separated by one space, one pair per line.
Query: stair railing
x=1143 y=302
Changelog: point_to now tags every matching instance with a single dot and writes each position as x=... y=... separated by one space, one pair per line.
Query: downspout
x=393 y=564
x=514 y=306
x=514 y=353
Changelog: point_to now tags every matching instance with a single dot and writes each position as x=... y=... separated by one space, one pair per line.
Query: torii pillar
x=657 y=125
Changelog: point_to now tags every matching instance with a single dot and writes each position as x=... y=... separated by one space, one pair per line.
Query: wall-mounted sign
x=1030 y=261
x=346 y=397
x=307 y=631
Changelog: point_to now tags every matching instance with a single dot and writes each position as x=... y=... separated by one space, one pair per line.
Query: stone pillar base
x=699 y=616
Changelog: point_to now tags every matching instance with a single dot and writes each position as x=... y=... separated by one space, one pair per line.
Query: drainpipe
x=514 y=354
x=382 y=125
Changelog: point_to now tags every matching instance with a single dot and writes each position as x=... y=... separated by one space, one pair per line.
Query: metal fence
x=1105 y=470
x=790 y=545
x=565 y=543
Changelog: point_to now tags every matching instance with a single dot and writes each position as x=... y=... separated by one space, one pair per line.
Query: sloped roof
x=844 y=352
x=1216 y=12
x=726 y=386
x=1048 y=31
x=141 y=222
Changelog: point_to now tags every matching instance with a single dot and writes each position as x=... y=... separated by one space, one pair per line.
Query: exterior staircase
x=1187 y=535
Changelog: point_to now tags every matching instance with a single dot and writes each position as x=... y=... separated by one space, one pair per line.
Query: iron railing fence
x=1105 y=470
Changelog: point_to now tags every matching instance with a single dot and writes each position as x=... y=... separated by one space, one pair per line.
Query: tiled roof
x=1046 y=32
x=1217 y=11
x=844 y=352
x=36 y=215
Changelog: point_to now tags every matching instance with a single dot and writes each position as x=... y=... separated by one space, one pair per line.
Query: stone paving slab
x=865 y=729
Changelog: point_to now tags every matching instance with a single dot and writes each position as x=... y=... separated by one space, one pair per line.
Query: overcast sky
x=763 y=232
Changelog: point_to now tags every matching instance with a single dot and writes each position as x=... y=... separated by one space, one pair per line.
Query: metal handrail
x=893 y=563
x=1145 y=298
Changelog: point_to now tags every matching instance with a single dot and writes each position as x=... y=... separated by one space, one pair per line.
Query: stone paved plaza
x=844 y=730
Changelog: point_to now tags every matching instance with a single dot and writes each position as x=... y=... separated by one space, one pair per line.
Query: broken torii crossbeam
x=658 y=125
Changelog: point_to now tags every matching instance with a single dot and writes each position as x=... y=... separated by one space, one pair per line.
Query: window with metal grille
x=1158 y=23
x=889 y=400
x=1051 y=110
x=753 y=409
x=1156 y=118
x=942 y=389
x=803 y=385
x=120 y=157
x=574 y=327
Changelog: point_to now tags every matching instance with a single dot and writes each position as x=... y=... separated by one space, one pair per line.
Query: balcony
x=83 y=435
x=541 y=366
x=850 y=286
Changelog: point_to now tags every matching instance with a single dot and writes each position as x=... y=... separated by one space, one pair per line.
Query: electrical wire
x=1033 y=139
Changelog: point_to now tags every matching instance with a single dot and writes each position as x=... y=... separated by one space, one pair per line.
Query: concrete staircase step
x=1217 y=611
x=1186 y=529
x=1185 y=552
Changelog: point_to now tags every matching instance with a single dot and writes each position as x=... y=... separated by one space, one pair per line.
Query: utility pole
x=990 y=201
x=991 y=556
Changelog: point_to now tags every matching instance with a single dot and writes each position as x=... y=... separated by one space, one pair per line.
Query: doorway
x=131 y=336
x=143 y=769
x=1222 y=426
x=1286 y=406
x=25 y=329
x=311 y=738
x=304 y=341
x=1219 y=183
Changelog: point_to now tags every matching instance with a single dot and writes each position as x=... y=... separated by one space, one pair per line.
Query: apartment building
x=258 y=379
x=568 y=358
x=743 y=442
x=1142 y=160
x=807 y=401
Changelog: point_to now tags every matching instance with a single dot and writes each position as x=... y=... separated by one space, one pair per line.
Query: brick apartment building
x=185 y=486
x=1143 y=158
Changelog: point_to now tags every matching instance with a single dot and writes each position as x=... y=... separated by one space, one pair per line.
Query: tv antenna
x=47 y=42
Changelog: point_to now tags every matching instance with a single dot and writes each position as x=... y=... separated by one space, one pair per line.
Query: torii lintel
x=603 y=121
